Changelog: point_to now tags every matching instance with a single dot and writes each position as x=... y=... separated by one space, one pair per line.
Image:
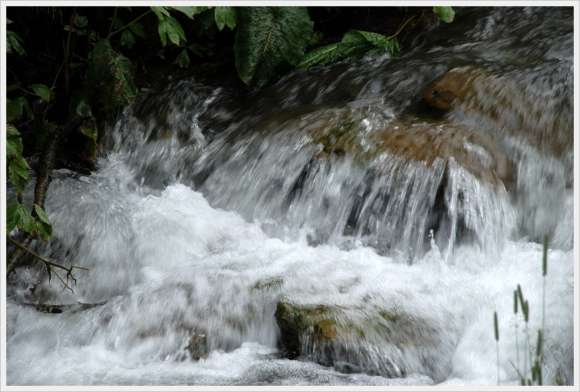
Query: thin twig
x=113 y=20
x=128 y=24
x=402 y=27
x=43 y=259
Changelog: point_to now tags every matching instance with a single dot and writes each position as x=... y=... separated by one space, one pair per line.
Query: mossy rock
x=332 y=133
x=367 y=339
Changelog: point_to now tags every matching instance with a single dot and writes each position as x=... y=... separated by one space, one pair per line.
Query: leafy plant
x=169 y=28
x=269 y=39
x=110 y=76
x=355 y=43
x=18 y=216
x=42 y=91
x=13 y=42
x=225 y=17
x=17 y=166
x=445 y=14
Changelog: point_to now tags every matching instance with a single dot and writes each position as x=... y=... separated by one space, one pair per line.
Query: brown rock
x=507 y=107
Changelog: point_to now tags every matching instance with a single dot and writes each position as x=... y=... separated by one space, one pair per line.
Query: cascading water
x=214 y=230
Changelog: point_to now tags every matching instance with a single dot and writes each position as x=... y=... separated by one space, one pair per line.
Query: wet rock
x=360 y=135
x=386 y=342
x=268 y=284
x=429 y=141
x=197 y=346
x=356 y=166
x=533 y=104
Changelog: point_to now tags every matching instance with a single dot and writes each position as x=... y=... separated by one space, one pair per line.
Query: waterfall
x=395 y=229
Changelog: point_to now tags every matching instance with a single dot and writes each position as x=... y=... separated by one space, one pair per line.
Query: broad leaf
x=80 y=21
x=182 y=59
x=18 y=217
x=90 y=132
x=14 y=43
x=270 y=39
x=41 y=214
x=11 y=217
x=42 y=224
x=160 y=12
x=190 y=12
x=127 y=38
x=325 y=55
x=18 y=173
x=170 y=29
x=83 y=109
x=446 y=14
x=12 y=131
x=355 y=43
x=225 y=17
x=13 y=143
x=137 y=29
x=16 y=108
x=376 y=40
x=42 y=91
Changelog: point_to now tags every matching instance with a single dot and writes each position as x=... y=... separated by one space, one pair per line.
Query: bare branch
x=50 y=265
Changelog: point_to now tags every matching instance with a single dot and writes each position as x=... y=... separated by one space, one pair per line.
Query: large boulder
x=369 y=339
x=355 y=166
x=358 y=134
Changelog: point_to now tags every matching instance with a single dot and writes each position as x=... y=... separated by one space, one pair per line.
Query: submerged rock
x=386 y=342
x=357 y=167
x=366 y=134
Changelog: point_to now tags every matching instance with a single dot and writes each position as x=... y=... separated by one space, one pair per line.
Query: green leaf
x=12 y=131
x=190 y=12
x=18 y=217
x=324 y=55
x=199 y=50
x=137 y=29
x=445 y=14
x=225 y=17
x=80 y=21
x=269 y=39
x=110 y=76
x=182 y=59
x=160 y=12
x=375 y=39
x=42 y=226
x=117 y=22
x=127 y=39
x=42 y=217
x=42 y=91
x=13 y=142
x=354 y=43
x=43 y=230
x=18 y=173
x=14 y=43
x=83 y=109
x=17 y=108
x=89 y=132
x=170 y=29
x=11 y=217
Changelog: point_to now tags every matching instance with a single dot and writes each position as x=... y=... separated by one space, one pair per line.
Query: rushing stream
x=404 y=218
